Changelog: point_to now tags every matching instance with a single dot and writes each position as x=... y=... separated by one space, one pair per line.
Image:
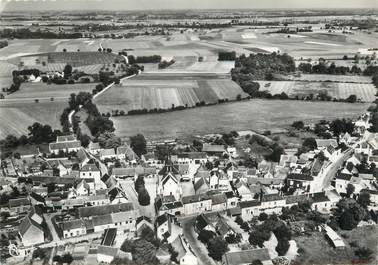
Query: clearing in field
x=364 y=92
x=137 y=94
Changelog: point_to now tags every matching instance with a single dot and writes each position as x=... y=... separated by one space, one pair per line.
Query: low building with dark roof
x=73 y=228
x=299 y=181
x=19 y=205
x=212 y=149
x=90 y=211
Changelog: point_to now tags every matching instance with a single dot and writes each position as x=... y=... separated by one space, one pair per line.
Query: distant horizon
x=188 y=9
x=181 y=5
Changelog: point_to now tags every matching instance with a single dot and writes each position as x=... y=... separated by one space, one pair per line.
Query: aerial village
x=106 y=205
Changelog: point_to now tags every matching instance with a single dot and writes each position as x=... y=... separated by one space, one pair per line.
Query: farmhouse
x=66 y=147
x=107 y=154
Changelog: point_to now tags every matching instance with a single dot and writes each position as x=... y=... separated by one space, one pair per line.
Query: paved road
x=323 y=181
x=332 y=170
x=198 y=248
x=54 y=234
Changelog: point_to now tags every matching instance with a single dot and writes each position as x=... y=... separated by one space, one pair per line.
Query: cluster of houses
x=85 y=193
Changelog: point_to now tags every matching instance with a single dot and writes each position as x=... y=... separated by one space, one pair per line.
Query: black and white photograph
x=202 y=132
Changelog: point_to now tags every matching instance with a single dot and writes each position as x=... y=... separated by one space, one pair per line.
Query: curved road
x=197 y=246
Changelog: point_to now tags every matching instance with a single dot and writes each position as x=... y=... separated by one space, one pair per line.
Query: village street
x=54 y=234
x=198 y=248
x=323 y=181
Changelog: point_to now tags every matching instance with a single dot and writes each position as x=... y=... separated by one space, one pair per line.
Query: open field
x=139 y=93
x=331 y=78
x=246 y=115
x=15 y=117
x=44 y=90
x=75 y=59
x=364 y=92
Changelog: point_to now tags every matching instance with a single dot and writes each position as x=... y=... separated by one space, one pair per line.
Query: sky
x=14 y=5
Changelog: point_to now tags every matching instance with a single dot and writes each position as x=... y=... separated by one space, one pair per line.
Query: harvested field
x=364 y=92
x=43 y=90
x=331 y=78
x=75 y=59
x=246 y=115
x=16 y=117
x=136 y=93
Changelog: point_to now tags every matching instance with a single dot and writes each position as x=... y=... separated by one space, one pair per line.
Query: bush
x=239 y=220
x=298 y=125
x=263 y=216
x=364 y=253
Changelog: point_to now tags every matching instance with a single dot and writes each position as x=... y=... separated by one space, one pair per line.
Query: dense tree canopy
x=138 y=144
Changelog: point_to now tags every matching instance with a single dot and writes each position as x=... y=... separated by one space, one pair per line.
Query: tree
x=347 y=220
x=276 y=153
x=138 y=144
x=216 y=248
x=144 y=252
x=39 y=253
x=364 y=199
x=298 y=124
x=143 y=197
x=109 y=140
x=197 y=145
x=309 y=143
x=256 y=262
x=233 y=238
x=239 y=220
x=205 y=236
x=282 y=232
x=282 y=247
x=263 y=216
x=85 y=140
x=258 y=237
x=67 y=258
x=67 y=71
x=139 y=183
x=349 y=189
x=351 y=99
